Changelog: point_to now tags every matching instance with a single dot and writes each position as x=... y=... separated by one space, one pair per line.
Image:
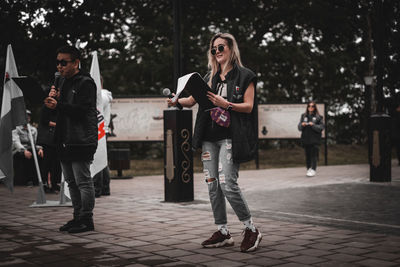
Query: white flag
x=100 y=157
x=13 y=113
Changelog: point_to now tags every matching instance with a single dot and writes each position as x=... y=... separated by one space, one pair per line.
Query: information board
x=279 y=121
x=139 y=119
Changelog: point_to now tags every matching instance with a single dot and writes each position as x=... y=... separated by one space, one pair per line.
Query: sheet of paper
x=181 y=85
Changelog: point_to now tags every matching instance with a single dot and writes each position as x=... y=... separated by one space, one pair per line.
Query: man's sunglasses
x=63 y=62
x=220 y=48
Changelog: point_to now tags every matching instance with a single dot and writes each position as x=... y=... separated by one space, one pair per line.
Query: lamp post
x=378 y=128
x=177 y=12
x=368 y=80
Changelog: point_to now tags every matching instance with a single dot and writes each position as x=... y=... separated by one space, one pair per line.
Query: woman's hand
x=217 y=100
x=170 y=103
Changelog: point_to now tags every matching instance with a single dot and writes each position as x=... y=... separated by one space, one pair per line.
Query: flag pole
x=63 y=197
x=41 y=197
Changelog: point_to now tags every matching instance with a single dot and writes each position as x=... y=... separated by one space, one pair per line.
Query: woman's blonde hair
x=213 y=65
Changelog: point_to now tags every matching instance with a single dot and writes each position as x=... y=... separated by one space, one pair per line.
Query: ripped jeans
x=221 y=175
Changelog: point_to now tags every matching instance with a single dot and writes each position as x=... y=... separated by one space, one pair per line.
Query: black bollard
x=178 y=156
x=119 y=159
x=380 y=148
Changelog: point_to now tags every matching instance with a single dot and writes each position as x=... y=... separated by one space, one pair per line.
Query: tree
x=300 y=50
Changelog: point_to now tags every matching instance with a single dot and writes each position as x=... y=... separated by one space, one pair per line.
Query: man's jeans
x=77 y=174
x=221 y=174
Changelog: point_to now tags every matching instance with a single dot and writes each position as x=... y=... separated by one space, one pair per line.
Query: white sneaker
x=308 y=172
x=312 y=173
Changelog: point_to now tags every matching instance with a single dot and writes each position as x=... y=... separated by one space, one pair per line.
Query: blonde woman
x=224 y=148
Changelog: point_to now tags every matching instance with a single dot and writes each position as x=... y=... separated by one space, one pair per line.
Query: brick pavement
x=134 y=227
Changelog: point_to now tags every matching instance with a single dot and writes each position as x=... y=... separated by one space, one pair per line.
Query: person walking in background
x=311 y=126
x=225 y=147
x=75 y=135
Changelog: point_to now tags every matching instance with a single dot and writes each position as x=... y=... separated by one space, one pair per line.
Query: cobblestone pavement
x=337 y=218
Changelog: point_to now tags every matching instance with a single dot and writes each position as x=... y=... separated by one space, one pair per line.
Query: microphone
x=167 y=92
x=57 y=76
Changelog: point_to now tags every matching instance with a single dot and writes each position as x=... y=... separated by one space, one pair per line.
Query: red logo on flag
x=101 y=131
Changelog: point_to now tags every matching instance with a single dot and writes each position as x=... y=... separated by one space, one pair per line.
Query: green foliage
x=300 y=50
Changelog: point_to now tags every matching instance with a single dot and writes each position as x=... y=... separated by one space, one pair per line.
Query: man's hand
x=40 y=153
x=50 y=102
x=54 y=93
x=27 y=154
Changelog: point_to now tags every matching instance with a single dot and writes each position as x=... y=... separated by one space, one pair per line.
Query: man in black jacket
x=76 y=135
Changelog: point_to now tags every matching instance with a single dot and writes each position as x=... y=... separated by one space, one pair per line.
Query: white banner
x=100 y=157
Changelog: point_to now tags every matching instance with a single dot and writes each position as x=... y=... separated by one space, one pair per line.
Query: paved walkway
x=337 y=218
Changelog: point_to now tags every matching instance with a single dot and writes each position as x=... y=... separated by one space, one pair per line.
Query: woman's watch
x=178 y=105
x=229 y=107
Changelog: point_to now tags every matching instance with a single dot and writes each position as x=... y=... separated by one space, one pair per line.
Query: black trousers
x=51 y=166
x=312 y=152
x=102 y=182
x=25 y=170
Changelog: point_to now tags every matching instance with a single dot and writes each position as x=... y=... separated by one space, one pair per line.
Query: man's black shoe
x=69 y=225
x=83 y=226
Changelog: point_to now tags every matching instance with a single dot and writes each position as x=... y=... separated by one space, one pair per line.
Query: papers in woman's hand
x=182 y=81
x=194 y=84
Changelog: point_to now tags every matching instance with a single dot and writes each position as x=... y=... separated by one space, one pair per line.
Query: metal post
x=177 y=7
x=326 y=135
x=379 y=40
x=63 y=197
x=41 y=197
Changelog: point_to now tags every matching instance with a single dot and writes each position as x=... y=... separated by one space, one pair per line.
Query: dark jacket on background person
x=244 y=126
x=311 y=135
x=76 y=133
x=46 y=132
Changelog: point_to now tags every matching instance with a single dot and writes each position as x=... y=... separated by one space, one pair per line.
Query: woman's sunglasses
x=311 y=106
x=220 y=48
x=63 y=62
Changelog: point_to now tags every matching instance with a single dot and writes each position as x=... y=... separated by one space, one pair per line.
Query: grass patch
x=269 y=158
